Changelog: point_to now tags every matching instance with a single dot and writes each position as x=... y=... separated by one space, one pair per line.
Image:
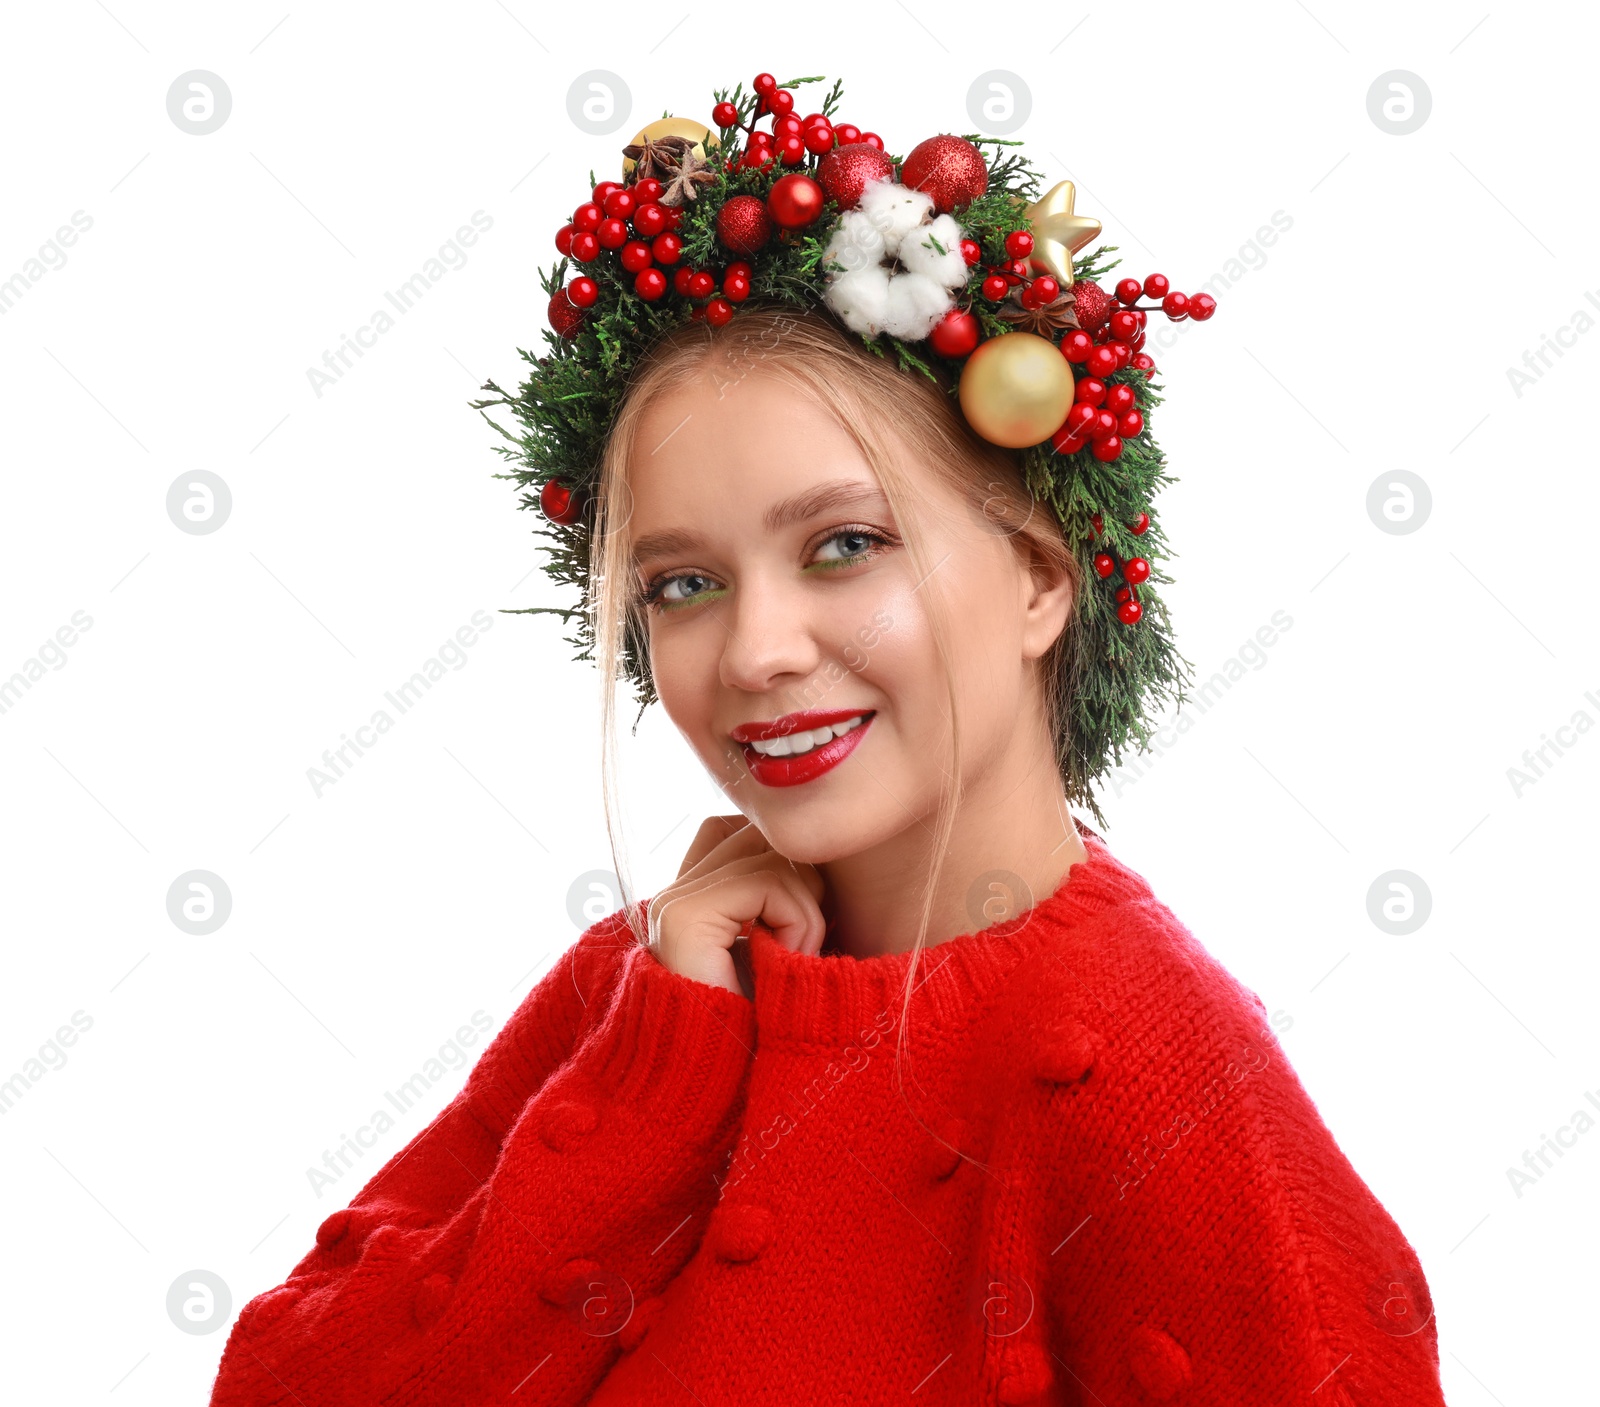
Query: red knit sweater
x=1099 y=1183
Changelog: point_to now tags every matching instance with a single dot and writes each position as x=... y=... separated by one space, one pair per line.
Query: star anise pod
x=655 y=158
x=690 y=173
x=1057 y=316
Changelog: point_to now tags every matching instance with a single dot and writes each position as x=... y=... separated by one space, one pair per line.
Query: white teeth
x=795 y=744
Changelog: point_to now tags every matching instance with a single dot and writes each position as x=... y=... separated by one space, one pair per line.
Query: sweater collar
x=833 y=999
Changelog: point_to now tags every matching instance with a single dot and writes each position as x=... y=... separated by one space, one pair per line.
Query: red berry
x=666 y=248
x=1139 y=524
x=559 y=503
x=736 y=287
x=1019 y=268
x=1019 y=244
x=1135 y=570
x=792 y=150
x=674 y=216
x=604 y=189
x=1046 y=289
x=781 y=102
x=1122 y=352
x=1104 y=425
x=812 y=119
x=1129 y=612
x=761 y=139
x=1124 y=325
x=724 y=114
x=995 y=288
x=1065 y=443
x=680 y=279
x=819 y=139
x=649 y=220
x=788 y=126
x=1091 y=391
x=583 y=291
x=647 y=190
x=971 y=251
x=620 y=204
x=1104 y=565
x=1176 y=306
x=1129 y=424
x=1156 y=286
x=1099 y=524
x=1029 y=297
x=650 y=284
x=1143 y=362
x=757 y=157
x=1201 y=306
x=612 y=233
x=1076 y=346
x=718 y=311
x=1081 y=418
x=1119 y=399
x=846 y=132
x=738 y=266
x=872 y=139
x=1102 y=362
x=636 y=256
x=1128 y=290
x=765 y=84
x=955 y=334
x=564 y=239
x=587 y=217
x=1105 y=450
x=701 y=284
x=585 y=247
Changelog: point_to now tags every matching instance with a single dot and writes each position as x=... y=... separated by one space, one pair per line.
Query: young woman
x=906 y=1088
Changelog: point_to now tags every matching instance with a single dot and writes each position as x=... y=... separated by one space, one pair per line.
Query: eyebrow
x=809 y=503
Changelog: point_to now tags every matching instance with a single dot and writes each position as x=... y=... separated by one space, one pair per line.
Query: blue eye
x=669 y=592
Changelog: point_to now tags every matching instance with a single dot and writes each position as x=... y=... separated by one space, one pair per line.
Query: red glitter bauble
x=950 y=169
x=565 y=316
x=743 y=224
x=1093 y=305
x=845 y=171
x=795 y=201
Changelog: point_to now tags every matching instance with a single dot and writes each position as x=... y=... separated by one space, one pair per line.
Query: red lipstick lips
x=792 y=770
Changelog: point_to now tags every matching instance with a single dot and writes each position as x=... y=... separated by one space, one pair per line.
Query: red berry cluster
x=630 y=220
x=792 y=139
x=1038 y=290
x=1135 y=571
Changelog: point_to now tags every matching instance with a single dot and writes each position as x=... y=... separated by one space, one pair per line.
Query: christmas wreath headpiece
x=948 y=260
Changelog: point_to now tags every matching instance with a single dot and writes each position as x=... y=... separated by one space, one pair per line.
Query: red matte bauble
x=743 y=224
x=565 y=316
x=950 y=169
x=955 y=334
x=559 y=503
x=795 y=201
x=845 y=171
x=1093 y=305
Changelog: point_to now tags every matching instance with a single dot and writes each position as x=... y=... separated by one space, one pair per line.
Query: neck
x=1011 y=818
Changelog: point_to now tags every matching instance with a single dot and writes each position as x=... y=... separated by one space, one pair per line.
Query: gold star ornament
x=1058 y=234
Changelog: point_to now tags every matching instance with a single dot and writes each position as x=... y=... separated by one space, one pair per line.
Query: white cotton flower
x=890 y=268
x=920 y=252
x=894 y=210
x=860 y=298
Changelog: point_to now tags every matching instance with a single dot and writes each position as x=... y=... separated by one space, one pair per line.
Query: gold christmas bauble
x=1016 y=389
x=697 y=132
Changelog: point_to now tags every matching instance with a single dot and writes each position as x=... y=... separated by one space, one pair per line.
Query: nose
x=772 y=636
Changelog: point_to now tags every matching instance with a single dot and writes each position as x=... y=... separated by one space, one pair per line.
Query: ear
x=1047 y=601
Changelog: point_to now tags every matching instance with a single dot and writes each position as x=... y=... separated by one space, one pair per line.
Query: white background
x=432 y=880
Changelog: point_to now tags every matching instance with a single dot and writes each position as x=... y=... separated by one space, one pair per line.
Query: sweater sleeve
x=1215 y=1244
x=520 y=1241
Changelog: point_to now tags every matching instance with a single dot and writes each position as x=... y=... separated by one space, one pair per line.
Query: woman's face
x=782 y=594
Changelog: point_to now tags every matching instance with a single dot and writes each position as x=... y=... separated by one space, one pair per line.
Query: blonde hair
x=886 y=411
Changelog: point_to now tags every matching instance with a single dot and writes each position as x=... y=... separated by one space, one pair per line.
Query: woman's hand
x=729 y=877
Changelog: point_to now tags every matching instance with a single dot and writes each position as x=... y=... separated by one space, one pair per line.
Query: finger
x=713 y=831
x=734 y=897
x=740 y=843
